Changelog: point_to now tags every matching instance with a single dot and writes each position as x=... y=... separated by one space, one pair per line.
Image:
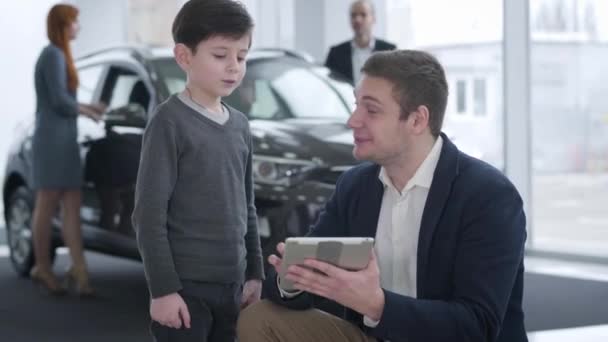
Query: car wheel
x=19 y=210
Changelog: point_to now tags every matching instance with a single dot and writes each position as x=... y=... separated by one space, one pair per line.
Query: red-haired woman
x=57 y=169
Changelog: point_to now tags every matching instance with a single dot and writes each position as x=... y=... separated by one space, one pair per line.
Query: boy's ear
x=182 y=55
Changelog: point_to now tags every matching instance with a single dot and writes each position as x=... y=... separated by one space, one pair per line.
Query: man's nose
x=353 y=121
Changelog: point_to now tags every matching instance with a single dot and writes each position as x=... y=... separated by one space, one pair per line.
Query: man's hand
x=252 y=291
x=358 y=290
x=170 y=311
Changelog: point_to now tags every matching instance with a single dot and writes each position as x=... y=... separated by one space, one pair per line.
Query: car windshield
x=278 y=88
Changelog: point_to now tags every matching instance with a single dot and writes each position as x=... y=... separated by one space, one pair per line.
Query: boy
x=194 y=208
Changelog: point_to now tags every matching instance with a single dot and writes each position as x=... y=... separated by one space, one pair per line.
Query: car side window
x=124 y=87
x=88 y=79
x=256 y=99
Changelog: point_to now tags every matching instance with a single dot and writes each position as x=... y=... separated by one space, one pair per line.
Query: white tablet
x=350 y=253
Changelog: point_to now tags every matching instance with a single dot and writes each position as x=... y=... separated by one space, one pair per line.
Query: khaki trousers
x=266 y=321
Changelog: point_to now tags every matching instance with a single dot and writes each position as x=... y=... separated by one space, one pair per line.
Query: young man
x=449 y=229
x=194 y=207
x=348 y=57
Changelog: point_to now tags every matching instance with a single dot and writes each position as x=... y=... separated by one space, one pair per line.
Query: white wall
x=113 y=22
x=103 y=24
x=23 y=24
x=273 y=22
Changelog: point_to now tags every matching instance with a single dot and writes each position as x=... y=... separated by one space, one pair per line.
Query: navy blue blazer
x=470 y=253
x=340 y=57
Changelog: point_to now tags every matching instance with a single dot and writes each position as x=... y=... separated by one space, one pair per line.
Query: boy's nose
x=233 y=66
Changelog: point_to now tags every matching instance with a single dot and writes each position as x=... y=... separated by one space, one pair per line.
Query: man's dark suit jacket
x=339 y=58
x=470 y=253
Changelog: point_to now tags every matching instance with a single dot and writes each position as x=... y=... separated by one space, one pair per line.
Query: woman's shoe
x=78 y=281
x=48 y=281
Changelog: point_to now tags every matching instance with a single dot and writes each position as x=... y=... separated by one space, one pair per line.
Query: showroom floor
x=557 y=295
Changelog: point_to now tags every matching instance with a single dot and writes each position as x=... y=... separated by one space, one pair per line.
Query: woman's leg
x=46 y=206
x=72 y=235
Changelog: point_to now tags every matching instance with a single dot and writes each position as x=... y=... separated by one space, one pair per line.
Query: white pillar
x=310 y=21
x=516 y=62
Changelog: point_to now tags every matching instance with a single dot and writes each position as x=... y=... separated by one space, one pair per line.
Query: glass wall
x=468 y=42
x=466 y=36
x=569 y=118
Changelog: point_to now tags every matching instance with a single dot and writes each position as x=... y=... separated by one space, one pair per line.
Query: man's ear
x=420 y=119
x=183 y=55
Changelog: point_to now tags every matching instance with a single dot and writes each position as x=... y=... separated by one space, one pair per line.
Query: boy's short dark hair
x=417 y=78
x=199 y=20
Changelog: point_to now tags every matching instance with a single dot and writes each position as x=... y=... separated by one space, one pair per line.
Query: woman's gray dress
x=56 y=156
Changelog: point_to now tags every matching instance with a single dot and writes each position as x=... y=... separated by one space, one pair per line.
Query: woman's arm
x=55 y=76
x=91 y=111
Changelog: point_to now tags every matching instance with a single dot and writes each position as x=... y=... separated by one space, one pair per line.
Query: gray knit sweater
x=194 y=213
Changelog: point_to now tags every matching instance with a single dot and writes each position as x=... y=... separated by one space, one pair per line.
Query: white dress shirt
x=399 y=226
x=359 y=56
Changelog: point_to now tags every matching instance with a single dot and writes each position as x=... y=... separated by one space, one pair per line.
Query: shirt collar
x=424 y=175
x=372 y=45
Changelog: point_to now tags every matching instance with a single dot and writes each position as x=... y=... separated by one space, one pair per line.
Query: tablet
x=350 y=253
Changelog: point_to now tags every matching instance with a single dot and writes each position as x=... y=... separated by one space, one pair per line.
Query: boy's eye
x=240 y=59
x=219 y=56
x=371 y=110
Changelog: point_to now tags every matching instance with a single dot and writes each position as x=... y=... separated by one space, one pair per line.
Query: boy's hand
x=275 y=260
x=252 y=291
x=170 y=311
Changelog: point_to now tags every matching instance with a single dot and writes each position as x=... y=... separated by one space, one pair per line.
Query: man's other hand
x=358 y=290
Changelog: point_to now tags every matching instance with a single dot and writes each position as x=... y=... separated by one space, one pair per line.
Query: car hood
x=328 y=141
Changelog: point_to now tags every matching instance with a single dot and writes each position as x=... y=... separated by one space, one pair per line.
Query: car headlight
x=280 y=171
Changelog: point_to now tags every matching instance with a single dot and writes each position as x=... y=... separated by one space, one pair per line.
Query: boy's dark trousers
x=214 y=309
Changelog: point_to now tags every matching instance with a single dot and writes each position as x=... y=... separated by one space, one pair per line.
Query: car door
x=89 y=88
x=111 y=154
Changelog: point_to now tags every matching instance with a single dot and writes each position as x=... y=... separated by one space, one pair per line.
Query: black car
x=298 y=114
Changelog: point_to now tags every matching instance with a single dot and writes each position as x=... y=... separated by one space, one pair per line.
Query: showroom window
x=479 y=97
x=569 y=118
x=471 y=53
x=461 y=97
